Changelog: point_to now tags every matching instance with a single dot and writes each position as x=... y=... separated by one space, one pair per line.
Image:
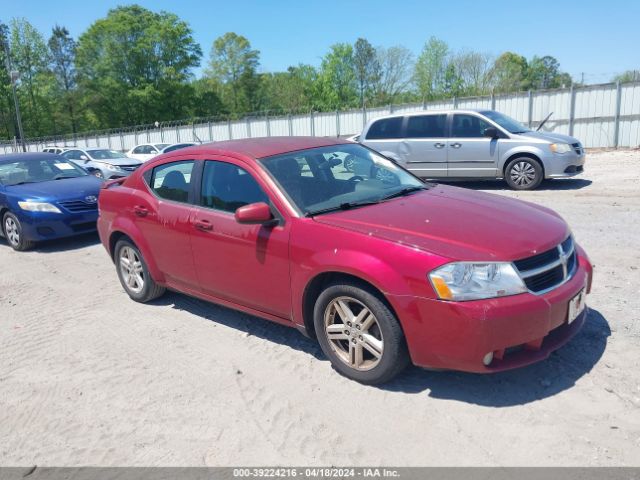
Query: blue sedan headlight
x=31 y=206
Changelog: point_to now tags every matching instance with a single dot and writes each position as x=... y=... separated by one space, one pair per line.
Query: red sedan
x=382 y=268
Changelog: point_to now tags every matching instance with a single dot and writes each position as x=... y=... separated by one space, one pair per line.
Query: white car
x=102 y=162
x=146 y=151
x=56 y=149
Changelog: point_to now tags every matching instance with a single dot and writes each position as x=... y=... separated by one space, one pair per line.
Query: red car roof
x=267 y=146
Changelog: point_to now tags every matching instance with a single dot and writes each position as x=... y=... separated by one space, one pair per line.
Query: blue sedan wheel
x=13 y=233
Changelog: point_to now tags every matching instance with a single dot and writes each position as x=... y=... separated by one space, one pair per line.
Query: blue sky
x=598 y=38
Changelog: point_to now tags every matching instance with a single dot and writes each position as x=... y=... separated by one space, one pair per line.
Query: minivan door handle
x=456 y=145
x=439 y=145
x=203 y=225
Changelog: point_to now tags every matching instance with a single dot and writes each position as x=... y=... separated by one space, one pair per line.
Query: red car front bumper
x=518 y=330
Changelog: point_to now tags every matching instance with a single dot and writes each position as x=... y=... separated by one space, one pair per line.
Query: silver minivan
x=478 y=144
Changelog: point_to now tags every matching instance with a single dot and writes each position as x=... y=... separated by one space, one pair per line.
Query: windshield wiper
x=342 y=206
x=403 y=191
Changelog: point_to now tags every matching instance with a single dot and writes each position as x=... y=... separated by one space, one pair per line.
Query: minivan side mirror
x=84 y=157
x=254 y=214
x=491 y=132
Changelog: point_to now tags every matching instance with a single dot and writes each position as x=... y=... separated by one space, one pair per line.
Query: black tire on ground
x=523 y=173
x=150 y=290
x=395 y=356
x=12 y=230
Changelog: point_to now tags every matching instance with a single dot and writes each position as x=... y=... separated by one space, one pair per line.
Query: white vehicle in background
x=177 y=146
x=146 y=151
x=103 y=162
x=56 y=149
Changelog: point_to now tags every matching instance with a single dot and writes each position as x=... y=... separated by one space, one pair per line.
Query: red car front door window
x=244 y=264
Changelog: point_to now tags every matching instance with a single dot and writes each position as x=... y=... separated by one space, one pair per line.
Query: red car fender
x=378 y=273
x=124 y=225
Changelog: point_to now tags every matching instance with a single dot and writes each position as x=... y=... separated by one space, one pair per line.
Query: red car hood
x=459 y=224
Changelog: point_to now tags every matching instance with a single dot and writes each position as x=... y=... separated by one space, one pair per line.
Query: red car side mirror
x=254 y=214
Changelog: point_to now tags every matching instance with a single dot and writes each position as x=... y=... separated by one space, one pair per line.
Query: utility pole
x=14 y=75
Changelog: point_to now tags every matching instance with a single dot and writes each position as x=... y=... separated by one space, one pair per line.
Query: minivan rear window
x=385 y=128
x=426 y=126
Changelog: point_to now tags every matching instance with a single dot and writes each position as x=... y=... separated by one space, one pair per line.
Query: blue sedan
x=45 y=196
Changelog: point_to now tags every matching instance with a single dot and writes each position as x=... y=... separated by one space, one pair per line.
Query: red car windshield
x=344 y=176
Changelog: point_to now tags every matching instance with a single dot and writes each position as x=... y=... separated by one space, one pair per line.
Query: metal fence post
x=121 y=141
x=530 y=110
x=266 y=119
x=230 y=130
x=337 y=123
x=312 y=123
x=616 y=130
x=108 y=140
x=210 y=130
x=572 y=109
x=248 y=127
x=455 y=103
x=135 y=136
x=148 y=135
x=290 y=125
x=177 y=133
x=390 y=108
x=364 y=116
x=424 y=104
x=493 y=101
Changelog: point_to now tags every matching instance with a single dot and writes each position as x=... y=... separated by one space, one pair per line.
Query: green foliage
x=63 y=52
x=233 y=64
x=628 y=76
x=337 y=85
x=143 y=59
x=431 y=68
x=30 y=57
x=509 y=73
x=366 y=67
x=134 y=66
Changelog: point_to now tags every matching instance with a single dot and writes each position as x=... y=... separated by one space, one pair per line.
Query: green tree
x=141 y=58
x=473 y=69
x=628 y=76
x=453 y=85
x=63 y=51
x=30 y=57
x=544 y=72
x=337 y=83
x=367 y=68
x=396 y=64
x=234 y=63
x=430 y=69
x=293 y=90
x=509 y=73
x=7 y=114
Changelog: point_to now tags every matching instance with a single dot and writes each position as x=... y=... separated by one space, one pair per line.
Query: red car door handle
x=203 y=225
x=140 y=211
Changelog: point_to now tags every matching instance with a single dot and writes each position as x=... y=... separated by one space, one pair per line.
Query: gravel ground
x=88 y=377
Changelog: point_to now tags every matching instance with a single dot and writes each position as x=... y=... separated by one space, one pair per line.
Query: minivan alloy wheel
x=523 y=173
x=353 y=333
x=12 y=231
x=131 y=269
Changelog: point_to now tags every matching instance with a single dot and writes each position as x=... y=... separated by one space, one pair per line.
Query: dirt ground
x=89 y=377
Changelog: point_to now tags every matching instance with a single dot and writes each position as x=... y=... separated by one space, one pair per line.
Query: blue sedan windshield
x=40 y=170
